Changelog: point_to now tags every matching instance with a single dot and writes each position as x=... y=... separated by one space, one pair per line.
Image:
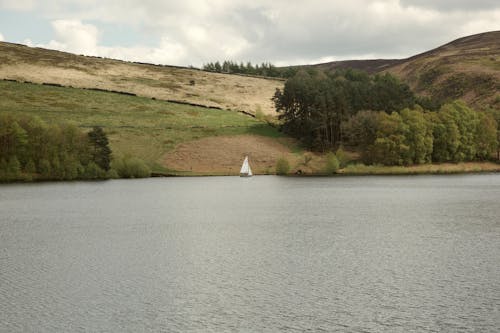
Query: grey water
x=265 y=254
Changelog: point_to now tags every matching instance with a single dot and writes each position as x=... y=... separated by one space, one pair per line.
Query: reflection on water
x=356 y=254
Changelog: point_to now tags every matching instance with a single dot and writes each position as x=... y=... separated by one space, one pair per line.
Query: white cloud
x=1 y=38
x=452 y=5
x=281 y=31
x=21 y=5
x=74 y=36
x=167 y=52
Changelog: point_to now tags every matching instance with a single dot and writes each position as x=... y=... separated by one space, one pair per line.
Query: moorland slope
x=231 y=92
x=467 y=68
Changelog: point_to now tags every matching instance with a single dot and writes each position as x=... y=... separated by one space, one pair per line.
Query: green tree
x=30 y=167
x=495 y=113
x=446 y=137
x=93 y=171
x=13 y=138
x=56 y=168
x=486 y=136
x=390 y=146
x=30 y=148
x=361 y=129
x=13 y=168
x=390 y=95
x=313 y=105
x=457 y=132
x=217 y=67
x=44 y=168
x=100 y=152
x=467 y=122
x=418 y=136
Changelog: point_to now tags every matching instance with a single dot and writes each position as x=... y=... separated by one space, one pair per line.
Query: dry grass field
x=231 y=92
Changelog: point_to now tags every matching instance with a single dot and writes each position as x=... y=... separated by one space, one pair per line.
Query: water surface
x=266 y=254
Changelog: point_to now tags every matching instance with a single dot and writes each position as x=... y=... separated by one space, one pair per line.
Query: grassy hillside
x=138 y=126
x=232 y=92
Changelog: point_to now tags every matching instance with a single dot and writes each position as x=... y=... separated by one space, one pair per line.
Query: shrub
x=357 y=168
x=112 y=174
x=342 y=157
x=131 y=167
x=71 y=168
x=282 y=166
x=307 y=158
x=92 y=171
x=331 y=164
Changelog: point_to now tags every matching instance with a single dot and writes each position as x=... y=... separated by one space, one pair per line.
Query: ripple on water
x=357 y=254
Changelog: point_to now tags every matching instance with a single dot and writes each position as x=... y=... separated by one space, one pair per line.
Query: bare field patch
x=224 y=154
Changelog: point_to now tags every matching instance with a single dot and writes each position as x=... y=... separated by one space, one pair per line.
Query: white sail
x=246 y=171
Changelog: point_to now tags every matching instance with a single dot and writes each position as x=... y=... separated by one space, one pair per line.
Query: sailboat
x=245 y=169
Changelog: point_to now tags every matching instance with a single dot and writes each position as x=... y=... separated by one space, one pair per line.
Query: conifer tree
x=101 y=153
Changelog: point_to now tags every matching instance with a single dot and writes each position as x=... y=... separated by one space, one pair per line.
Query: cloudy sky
x=193 y=32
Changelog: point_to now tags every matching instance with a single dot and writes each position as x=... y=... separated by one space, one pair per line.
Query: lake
x=265 y=254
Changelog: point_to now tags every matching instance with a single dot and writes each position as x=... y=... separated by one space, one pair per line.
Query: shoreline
x=367 y=170
x=350 y=170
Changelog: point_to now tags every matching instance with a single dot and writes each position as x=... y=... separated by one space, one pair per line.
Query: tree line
x=264 y=69
x=455 y=133
x=383 y=119
x=31 y=149
x=314 y=104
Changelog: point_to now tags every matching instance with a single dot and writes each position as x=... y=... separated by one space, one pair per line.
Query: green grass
x=136 y=126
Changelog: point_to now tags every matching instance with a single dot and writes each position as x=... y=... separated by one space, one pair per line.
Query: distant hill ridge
x=474 y=43
x=467 y=68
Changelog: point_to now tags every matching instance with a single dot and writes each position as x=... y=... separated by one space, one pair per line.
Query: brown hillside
x=467 y=68
x=369 y=66
x=233 y=92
